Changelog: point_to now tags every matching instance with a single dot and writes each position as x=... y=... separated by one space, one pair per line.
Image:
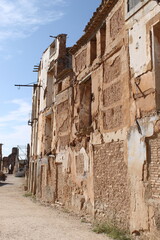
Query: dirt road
x=22 y=219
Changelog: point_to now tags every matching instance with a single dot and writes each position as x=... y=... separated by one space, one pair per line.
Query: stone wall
x=103 y=111
x=110 y=184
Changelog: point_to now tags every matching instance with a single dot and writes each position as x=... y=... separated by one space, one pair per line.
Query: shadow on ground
x=3 y=184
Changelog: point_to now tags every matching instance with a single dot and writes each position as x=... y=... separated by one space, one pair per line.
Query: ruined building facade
x=95 y=119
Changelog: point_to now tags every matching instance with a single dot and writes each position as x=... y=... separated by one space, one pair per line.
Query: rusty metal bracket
x=137 y=82
x=139 y=127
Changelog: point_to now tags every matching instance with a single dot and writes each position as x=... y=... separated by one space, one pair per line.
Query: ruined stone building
x=95 y=119
x=11 y=159
x=1 y=155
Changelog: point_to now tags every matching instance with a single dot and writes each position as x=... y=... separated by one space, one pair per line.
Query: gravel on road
x=23 y=219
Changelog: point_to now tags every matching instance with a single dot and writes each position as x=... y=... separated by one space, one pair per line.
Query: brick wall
x=110 y=184
x=154 y=166
x=116 y=23
x=113 y=92
x=113 y=118
x=112 y=69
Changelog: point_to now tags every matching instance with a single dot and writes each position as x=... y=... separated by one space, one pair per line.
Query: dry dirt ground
x=23 y=219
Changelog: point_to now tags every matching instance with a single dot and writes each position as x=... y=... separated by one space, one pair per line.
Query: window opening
x=59 y=87
x=93 y=50
x=103 y=38
x=132 y=3
x=85 y=105
x=48 y=134
x=52 y=48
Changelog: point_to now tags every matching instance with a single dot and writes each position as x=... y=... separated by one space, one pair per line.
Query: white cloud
x=14 y=129
x=20 y=114
x=19 y=18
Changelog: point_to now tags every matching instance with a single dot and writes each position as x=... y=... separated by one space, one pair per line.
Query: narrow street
x=22 y=219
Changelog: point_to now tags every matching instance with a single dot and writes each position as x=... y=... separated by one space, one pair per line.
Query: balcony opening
x=93 y=50
x=85 y=119
x=52 y=48
x=49 y=90
x=59 y=87
x=48 y=134
x=103 y=38
x=132 y=3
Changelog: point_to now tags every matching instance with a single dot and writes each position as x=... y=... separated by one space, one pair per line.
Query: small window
x=132 y=3
x=103 y=38
x=52 y=48
x=48 y=134
x=85 y=105
x=59 y=87
x=93 y=50
x=49 y=89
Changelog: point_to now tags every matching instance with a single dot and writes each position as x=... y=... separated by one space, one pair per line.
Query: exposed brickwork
x=112 y=94
x=110 y=183
x=154 y=166
x=157 y=218
x=112 y=69
x=113 y=118
x=80 y=60
x=116 y=23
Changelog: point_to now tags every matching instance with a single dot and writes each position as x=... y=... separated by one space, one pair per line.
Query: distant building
x=11 y=159
x=95 y=122
x=1 y=155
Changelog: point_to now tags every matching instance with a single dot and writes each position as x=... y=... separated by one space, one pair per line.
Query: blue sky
x=25 y=27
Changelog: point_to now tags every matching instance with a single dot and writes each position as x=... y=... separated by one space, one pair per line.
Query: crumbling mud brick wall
x=101 y=111
x=55 y=60
x=104 y=117
x=115 y=85
x=63 y=113
x=63 y=106
x=144 y=107
x=151 y=178
x=110 y=184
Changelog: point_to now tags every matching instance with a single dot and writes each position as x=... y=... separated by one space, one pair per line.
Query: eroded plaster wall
x=103 y=154
x=142 y=135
